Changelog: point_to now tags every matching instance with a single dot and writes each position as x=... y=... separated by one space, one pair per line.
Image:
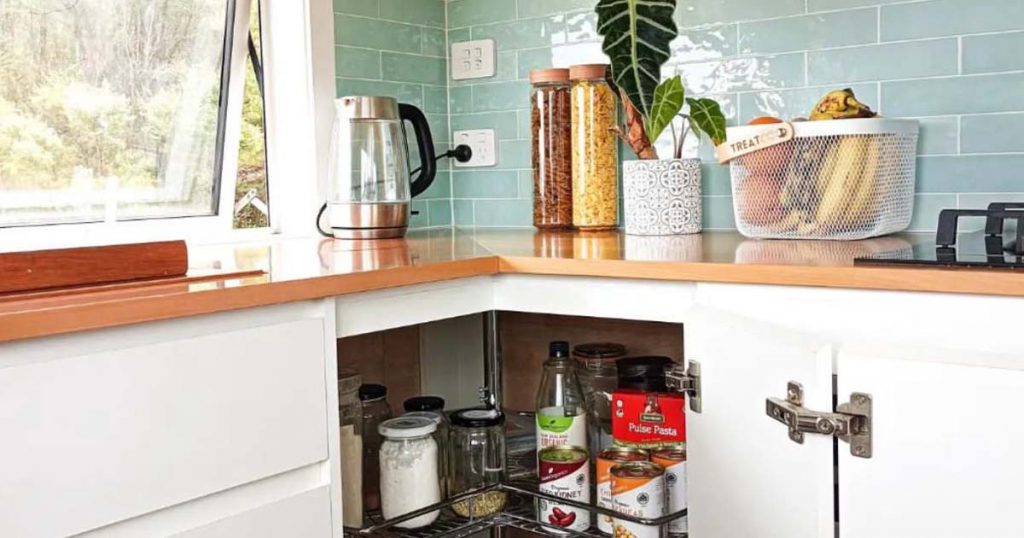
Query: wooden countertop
x=286 y=270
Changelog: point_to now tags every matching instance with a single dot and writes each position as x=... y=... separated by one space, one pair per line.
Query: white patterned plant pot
x=662 y=197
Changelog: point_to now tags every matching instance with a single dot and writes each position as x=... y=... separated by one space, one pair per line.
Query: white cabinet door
x=307 y=516
x=746 y=478
x=947 y=448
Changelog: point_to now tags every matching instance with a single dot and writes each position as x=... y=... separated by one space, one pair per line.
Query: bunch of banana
x=840 y=105
x=847 y=184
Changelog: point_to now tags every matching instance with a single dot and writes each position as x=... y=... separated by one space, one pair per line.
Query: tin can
x=673 y=459
x=638 y=490
x=564 y=471
x=605 y=460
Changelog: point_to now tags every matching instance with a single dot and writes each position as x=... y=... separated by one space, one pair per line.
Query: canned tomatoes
x=638 y=490
x=564 y=471
x=673 y=459
x=605 y=460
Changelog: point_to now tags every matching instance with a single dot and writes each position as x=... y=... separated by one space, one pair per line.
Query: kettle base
x=368 y=220
x=368 y=233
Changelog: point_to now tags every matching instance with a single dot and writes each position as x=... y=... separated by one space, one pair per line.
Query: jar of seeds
x=595 y=154
x=552 y=156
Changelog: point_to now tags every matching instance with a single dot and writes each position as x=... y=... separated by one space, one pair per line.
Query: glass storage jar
x=595 y=153
x=408 y=470
x=552 y=155
x=478 y=459
x=595 y=367
x=375 y=411
x=350 y=413
x=441 y=435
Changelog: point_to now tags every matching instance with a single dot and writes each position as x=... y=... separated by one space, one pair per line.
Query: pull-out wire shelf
x=519 y=512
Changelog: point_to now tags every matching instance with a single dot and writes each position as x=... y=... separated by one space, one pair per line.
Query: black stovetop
x=991 y=249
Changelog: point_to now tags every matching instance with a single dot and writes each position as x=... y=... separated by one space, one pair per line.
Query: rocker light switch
x=473 y=59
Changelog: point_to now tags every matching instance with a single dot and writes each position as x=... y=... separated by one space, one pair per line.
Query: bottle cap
x=424 y=403
x=477 y=418
x=558 y=348
x=587 y=71
x=372 y=391
x=549 y=75
x=406 y=427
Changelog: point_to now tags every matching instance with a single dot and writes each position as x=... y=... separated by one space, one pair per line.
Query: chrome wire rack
x=519 y=512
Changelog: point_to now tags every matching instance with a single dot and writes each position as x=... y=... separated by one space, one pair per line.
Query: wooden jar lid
x=587 y=71
x=549 y=75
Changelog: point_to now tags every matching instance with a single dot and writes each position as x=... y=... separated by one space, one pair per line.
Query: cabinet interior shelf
x=519 y=512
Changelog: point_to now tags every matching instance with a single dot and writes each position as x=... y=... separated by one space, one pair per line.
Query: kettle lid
x=367 y=107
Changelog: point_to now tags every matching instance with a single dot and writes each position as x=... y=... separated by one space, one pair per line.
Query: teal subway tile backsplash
x=954 y=65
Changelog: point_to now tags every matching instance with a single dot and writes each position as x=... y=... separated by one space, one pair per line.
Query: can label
x=605 y=461
x=554 y=428
x=674 y=462
x=564 y=472
x=638 y=492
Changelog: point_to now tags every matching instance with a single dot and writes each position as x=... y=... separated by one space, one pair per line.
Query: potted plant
x=662 y=196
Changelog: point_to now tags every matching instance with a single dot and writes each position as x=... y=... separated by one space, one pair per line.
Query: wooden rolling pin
x=59 y=268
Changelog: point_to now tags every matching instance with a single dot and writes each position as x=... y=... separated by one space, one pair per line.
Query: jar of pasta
x=595 y=155
x=552 y=156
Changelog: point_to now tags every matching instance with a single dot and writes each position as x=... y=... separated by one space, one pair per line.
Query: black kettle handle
x=425 y=145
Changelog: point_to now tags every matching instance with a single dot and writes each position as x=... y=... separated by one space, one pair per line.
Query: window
x=112 y=110
x=251 y=209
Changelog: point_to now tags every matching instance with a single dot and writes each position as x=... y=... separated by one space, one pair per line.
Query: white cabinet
x=948 y=440
x=745 y=477
x=307 y=515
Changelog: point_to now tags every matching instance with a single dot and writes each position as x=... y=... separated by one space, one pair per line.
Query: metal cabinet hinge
x=686 y=379
x=851 y=422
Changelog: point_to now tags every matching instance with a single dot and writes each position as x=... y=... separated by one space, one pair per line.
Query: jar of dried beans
x=552 y=156
x=595 y=155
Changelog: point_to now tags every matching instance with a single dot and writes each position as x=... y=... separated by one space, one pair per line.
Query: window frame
x=298 y=67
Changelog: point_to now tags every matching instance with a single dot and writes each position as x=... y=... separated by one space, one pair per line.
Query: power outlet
x=473 y=59
x=481 y=141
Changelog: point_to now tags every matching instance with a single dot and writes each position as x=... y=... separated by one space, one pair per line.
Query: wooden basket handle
x=772 y=135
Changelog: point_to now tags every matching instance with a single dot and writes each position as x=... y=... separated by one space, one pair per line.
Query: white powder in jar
x=409 y=479
x=351 y=477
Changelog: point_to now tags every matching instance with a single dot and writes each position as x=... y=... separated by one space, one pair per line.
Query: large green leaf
x=706 y=117
x=636 y=35
x=668 y=101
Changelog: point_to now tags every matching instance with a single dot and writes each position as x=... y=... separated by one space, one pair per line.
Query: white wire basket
x=839 y=179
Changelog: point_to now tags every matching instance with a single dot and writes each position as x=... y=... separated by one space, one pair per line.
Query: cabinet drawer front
x=307 y=515
x=104 y=436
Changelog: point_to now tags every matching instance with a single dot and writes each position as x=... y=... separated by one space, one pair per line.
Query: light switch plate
x=481 y=141
x=473 y=59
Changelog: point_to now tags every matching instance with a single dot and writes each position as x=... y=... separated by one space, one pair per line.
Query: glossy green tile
x=950 y=17
x=715 y=179
x=434 y=42
x=420 y=217
x=827 y=5
x=993 y=133
x=458 y=34
x=405 y=93
x=524 y=121
x=833 y=29
x=462 y=211
x=413 y=68
x=954 y=95
x=581 y=26
x=530 y=59
x=440 y=212
x=970 y=173
x=440 y=189
x=503 y=123
x=743 y=74
x=423 y=12
x=789 y=104
x=910 y=59
x=357 y=63
x=470 y=12
x=435 y=99
x=536 y=8
x=524 y=34
x=526 y=183
x=694 y=45
x=993 y=53
x=480 y=183
x=927 y=208
x=460 y=99
x=439 y=128
x=377 y=34
x=718 y=213
x=514 y=154
x=366 y=8
x=938 y=135
x=503 y=213
x=691 y=13
x=501 y=96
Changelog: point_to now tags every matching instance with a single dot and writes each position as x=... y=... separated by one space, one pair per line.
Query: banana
x=843 y=181
x=862 y=211
x=791 y=222
x=838 y=105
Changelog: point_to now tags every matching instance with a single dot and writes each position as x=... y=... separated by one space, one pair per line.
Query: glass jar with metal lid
x=432 y=407
x=595 y=368
x=375 y=411
x=408 y=469
x=477 y=458
x=350 y=413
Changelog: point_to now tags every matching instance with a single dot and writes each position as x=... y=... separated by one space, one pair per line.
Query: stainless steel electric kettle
x=369 y=186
